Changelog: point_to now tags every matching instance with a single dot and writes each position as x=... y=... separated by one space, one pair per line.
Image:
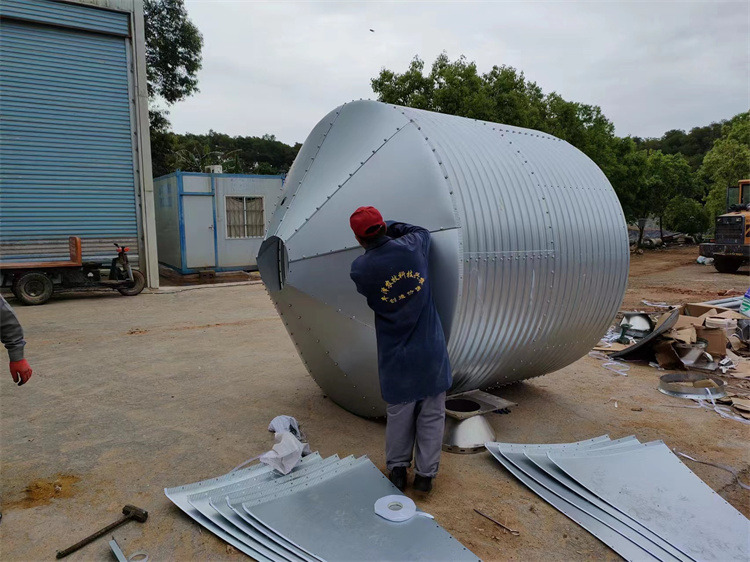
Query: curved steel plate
x=653 y=487
x=555 y=494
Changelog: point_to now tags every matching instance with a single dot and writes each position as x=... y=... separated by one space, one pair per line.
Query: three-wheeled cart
x=35 y=282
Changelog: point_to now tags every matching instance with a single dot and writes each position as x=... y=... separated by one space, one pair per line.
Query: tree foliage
x=727 y=162
x=236 y=155
x=647 y=174
x=503 y=95
x=667 y=176
x=173 y=50
x=693 y=145
x=686 y=215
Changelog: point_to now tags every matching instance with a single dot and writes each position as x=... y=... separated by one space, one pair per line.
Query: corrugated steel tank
x=529 y=258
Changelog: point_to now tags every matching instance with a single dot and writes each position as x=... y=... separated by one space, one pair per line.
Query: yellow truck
x=730 y=247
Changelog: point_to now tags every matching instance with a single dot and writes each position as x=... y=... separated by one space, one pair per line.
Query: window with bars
x=245 y=217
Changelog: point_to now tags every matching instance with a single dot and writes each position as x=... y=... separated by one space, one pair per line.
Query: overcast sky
x=278 y=67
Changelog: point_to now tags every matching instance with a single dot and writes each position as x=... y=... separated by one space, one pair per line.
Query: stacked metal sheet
x=638 y=498
x=322 y=510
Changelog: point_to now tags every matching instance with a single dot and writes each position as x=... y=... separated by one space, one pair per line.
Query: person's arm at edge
x=396 y=229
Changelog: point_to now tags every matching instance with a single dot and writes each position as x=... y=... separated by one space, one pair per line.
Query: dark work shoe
x=398 y=477
x=422 y=484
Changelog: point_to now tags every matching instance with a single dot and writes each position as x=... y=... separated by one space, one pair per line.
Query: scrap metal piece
x=117 y=551
x=511 y=531
x=691 y=353
x=474 y=403
x=333 y=518
x=555 y=494
x=639 y=324
x=674 y=385
x=467 y=436
x=642 y=345
x=652 y=486
x=554 y=237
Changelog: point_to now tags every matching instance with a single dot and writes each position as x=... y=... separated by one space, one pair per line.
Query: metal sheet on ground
x=232 y=504
x=655 y=488
x=269 y=490
x=235 y=502
x=179 y=496
x=616 y=541
x=234 y=525
x=285 y=550
x=539 y=458
x=602 y=441
x=337 y=521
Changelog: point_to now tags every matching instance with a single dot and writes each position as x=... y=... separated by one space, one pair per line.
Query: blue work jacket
x=393 y=274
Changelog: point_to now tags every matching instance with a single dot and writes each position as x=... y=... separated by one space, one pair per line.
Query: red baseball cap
x=366 y=222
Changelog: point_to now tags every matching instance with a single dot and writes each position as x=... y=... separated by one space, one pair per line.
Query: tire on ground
x=33 y=288
x=139 y=283
x=726 y=264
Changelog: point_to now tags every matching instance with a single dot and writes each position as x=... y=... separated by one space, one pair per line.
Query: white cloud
x=278 y=67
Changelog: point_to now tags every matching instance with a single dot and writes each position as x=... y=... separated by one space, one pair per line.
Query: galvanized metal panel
x=292 y=483
x=66 y=14
x=213 y=505
x=178 y=495
x=335 y=518
x=565 y=502
x=534 y=273
x=663 y=550
x=65 y=132
x=652 y=486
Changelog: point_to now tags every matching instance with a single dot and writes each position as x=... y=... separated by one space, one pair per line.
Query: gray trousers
x=415 y=425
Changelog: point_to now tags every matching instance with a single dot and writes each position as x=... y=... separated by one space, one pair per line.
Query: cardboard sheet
x=666 y=356
x=717 y=341
x=685 y=335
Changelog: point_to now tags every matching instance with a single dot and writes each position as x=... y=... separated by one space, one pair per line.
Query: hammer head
x=135 y=513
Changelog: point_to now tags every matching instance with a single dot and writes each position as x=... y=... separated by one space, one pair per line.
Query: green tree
x=686 y=215
x=627 y=174
x=667 y=176
x=173 y=58
x=727 y=162
x=503 y=95
x=693 y=145
x=173 y=50
x=411 y=89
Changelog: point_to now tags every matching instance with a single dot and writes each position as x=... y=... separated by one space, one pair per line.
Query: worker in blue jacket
x=413 y=365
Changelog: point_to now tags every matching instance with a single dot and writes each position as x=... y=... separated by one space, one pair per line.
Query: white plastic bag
x=286 y=453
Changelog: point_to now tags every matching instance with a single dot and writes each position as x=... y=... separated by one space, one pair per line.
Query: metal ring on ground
x=670 y=385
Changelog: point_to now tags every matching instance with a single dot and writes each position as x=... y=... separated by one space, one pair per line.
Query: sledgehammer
x=129 y=512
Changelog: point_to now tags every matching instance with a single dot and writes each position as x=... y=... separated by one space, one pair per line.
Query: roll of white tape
x=397 y=508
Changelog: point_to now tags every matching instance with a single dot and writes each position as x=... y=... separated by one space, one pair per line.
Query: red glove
x=20 y=371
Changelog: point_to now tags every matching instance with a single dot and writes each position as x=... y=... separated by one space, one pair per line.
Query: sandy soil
x=673 y=276
x=131 y=395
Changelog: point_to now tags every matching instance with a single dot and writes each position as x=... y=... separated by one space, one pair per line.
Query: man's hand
x=20 y=371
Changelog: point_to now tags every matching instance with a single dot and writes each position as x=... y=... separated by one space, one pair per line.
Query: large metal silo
x=529 y=254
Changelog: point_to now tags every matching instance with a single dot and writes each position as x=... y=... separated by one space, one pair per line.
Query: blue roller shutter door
x=66 y=152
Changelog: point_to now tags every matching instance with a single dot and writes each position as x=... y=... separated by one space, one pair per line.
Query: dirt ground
x=673 y=276
x=132 y=395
